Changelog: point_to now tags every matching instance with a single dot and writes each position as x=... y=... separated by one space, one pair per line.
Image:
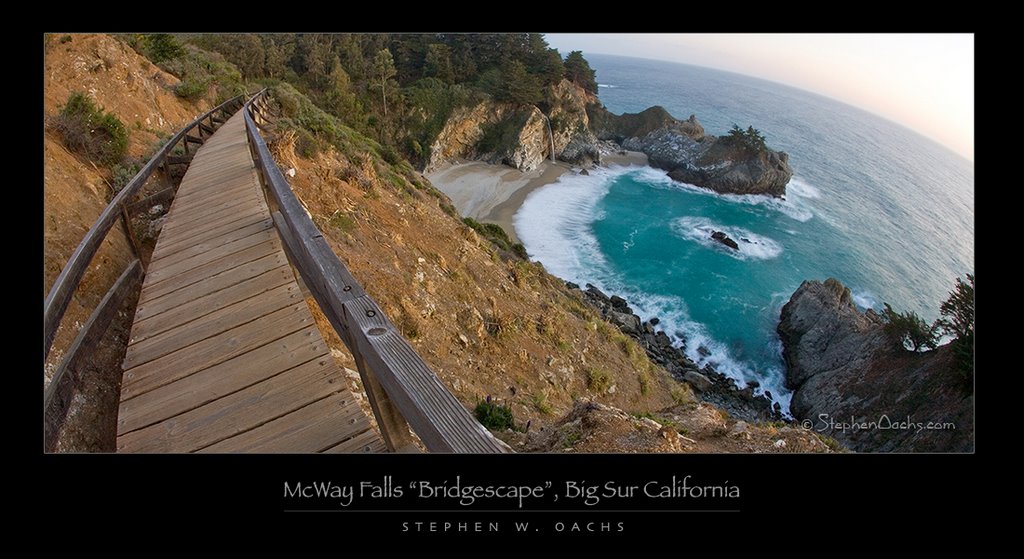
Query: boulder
x=628 y=323
x=698 y=381
x=725 y=240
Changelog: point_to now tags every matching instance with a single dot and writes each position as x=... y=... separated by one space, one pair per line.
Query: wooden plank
x=200 y=207
x=178 y=243
x=172 y=238
x=193 y=139
x=222 y=379
x=159 y=340
x=366 y=442
x=202 y=246
x=191 y=197
x=214 y=350
x=208 y=208
x=154 y=306
x=209 y=271
x=201 y=306
x=239 y=411
x=213 y=211
x=59 y=393
x=169 y=271
x=313 y=428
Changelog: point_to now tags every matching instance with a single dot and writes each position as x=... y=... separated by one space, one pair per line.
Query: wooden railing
x=403 y=391
x=58 y=394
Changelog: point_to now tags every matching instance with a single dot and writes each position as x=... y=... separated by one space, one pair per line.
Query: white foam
x=793 y=207
x=606 y=85
x=797 y=187
x=864 y=299
x=751 y=245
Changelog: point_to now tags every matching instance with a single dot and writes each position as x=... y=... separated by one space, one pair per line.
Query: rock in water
x=725 y=240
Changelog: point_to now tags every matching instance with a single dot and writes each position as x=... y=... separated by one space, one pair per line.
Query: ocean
x=884 y=210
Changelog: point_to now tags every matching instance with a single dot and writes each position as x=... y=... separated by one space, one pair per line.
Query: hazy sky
x=925 y=82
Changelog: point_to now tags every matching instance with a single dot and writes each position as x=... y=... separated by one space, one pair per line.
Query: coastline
x=492 y=193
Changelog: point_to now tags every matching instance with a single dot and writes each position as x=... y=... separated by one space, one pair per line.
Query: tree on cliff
x=909 y=329
x=517 y=86
x=958 y=321
x=750 y=139
x=383 y=72
x=578 y=70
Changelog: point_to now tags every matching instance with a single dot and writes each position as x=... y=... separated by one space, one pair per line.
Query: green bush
x=192 y=89
x=493 y=416
x=90 y=131
x=159 y=47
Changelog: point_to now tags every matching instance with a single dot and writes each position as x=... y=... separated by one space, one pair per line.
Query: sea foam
x=751 y=245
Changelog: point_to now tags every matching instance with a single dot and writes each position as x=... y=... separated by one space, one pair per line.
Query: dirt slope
x=74 y=190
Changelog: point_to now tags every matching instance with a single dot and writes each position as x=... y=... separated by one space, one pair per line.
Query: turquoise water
x=884 y=210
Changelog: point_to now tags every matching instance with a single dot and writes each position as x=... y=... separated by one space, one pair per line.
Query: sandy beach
x=493 y=193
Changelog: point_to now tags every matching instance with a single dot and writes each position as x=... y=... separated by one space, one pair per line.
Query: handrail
x=401 y=387
x=59 y=297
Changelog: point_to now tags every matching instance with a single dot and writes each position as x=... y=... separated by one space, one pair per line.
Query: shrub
x=159 y=47
x=540 y=401
x=90 y=131
x=598 y=380
x=908 y=329
x=493 y=416
x=192 y=89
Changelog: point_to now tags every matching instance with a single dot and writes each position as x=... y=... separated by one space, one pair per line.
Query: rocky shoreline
x=709 y=384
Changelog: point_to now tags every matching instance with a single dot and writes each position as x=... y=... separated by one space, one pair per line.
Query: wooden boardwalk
x=224 y=354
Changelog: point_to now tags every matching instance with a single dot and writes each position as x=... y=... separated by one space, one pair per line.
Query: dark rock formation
x=711 y=386
x=725 y=240
x=853 y=383
x=682 y=148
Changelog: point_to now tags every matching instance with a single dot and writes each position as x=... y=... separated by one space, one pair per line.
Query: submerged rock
x=725 y=240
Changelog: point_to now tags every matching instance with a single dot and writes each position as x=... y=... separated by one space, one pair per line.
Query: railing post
x=130 y=233
x=393 y=427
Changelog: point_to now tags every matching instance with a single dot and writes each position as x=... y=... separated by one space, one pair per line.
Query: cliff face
x=682 y=148
x=518 y=136
x=853 y=384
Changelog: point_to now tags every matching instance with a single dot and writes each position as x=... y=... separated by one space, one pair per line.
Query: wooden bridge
x=224 y=354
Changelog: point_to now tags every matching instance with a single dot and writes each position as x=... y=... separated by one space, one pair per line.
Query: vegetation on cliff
x=910 y=331
x=400 y=89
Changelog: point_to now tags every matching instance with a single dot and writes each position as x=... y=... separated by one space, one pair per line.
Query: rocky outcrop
x=853 y=383
x=682 y=148
x=712 y=386
x=519 y=136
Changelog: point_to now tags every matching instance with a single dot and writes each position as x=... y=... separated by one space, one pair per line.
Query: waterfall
x=550 y=135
